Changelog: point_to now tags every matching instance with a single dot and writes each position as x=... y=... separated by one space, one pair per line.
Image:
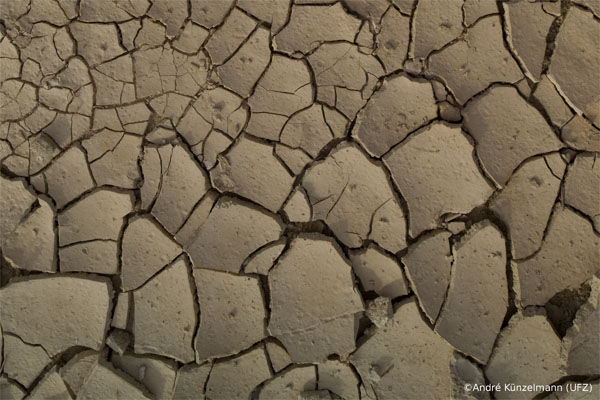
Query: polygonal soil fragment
x=310 y=129
x=581 y=344
x=526 y=202
x=278 y=355
x=57 y=312
x=568 y=257
x=347 y=190
x=15 y=201
x=51 y=386
x=97 y=216
x=216 y=244
x=32 y=245
x=310 y=25
x=237 y=378
x=477 y=298
x=393 y=38
x=579 y=134
x=183 y=185
x=284 y=89
x=146 y=249
x=507 y=130
x=273 y=13
x=577 y=40
x=345 y=77
x=378 y=272
x=118 y=166
x=474 y=62
x=96 y=256
x=527 y=25
x=435 y=23
x=165 y=314
x=105 y=381
x=399 y=107
x=551 y=101
x=78 y=368
x=96 y=43
x=227 y=328
x=582 y=187
x=465 y=374
x=338 y=378
x=262 y=261
x=190 y=381
x=527 y=351
x=10 y=390
x=227 y=39
x=429 y=167
x=250 y=169
x=23 y=362
x=68 y=177
x=241 y=71
x=208 y=13
x=157 y=374
x=313 y=308
x=290 y=383
x=428 y=264
x=382 y=363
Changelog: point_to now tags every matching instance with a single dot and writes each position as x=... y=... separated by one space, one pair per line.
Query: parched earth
x=299 y=199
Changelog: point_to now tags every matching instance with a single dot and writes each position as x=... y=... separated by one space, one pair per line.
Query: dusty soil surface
x=299 y=199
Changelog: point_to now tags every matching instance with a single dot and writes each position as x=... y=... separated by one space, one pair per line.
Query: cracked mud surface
x=299 y=199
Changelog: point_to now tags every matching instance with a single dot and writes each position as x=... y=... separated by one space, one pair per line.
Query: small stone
x=527 y=351
x=237 y=378
x=478 y=293
x=428 y=265
x=118 y=340
x=379 y=311
x=216 y=245
x=227 y=328
x=378 y=272
x=322 y=322
x=165 y=314
x=145 y=250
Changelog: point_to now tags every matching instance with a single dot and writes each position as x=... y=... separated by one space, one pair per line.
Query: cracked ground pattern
x=299 y=199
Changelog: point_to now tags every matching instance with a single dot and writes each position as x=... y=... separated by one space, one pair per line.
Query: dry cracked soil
x=299 y=199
